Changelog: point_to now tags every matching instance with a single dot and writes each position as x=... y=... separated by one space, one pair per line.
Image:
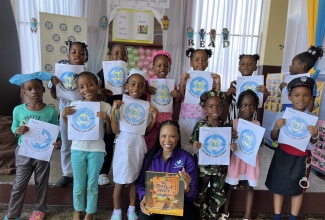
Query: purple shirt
x=176 y=162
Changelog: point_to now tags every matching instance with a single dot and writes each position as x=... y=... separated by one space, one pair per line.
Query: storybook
x=164 y=193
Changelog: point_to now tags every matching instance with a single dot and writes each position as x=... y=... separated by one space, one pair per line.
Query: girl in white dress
x=130 y=149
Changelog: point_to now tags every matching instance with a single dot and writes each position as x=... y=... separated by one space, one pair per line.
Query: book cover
x=164 y=193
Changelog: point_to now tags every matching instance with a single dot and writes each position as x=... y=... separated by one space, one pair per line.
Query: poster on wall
x=133 y=26
x=54 y=31
x=318 y=98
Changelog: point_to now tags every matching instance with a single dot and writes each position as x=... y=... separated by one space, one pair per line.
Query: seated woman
x=165 y=157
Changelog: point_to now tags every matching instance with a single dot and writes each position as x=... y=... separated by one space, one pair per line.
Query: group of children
x=90 y=160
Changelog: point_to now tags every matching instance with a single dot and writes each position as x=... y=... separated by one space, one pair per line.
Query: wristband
x=315 y=138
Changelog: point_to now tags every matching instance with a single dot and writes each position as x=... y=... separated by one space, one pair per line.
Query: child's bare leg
x=249 y=200
x=117 y=195
x=229 y=189
x=278 y=200
x=76 y=215
x=133 y=194
x=296 y=202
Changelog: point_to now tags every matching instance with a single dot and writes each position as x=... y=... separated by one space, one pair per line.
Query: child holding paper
x=212 y=103
x=161 y=62
x=130 y=149
x=87 y=156
x=239 y=170
x=247 y=66
x=32 y=87
x=290 y=165
x=190 y=114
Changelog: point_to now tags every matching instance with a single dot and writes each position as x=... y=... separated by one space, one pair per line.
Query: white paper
x=134 y=115
x=115 y=74
x=84 y=123
x=287 y=79
x=250 y=82
x=295 y=132
x=162 y=99
x=38 y=142
x=67 y=88
x=249 y=140
x=215 y=148
x=198 y=83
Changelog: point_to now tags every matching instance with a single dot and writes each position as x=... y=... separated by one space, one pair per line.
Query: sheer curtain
x=242 y=18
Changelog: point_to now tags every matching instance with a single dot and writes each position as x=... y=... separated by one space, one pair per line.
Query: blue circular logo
x=296 y=127
x=83 y=120
x=49 y=48
x=77 y=28
x=56 y=37
x=48 y=67
x=72 y=38
x=68 y=82
x=134 y=114
x=116 y=76
x=249 y=85
x=48 y=25
x=64 y=61
x=214 y=145
x=162 y=96
x=40 y=139
x=198 y=86
x=63 y=27
x=63 y=49
x=247 y=141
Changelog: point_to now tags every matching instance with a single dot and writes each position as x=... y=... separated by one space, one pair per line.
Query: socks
x=117 y=211
x=293 y=217
x=131 y=209
x=277 y=217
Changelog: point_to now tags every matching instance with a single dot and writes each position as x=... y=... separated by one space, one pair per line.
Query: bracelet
x=315 y=138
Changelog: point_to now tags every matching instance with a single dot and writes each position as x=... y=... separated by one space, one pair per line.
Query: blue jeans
x=85 y=168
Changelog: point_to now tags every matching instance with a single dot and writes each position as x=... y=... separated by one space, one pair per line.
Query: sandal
x=37 y=215
x=103 y=180
x=76 y=215
x=224 y=216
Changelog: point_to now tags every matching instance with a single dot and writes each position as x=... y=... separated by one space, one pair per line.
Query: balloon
x=142 y=57
x=140 y=64
x=148 y=51
x=140 y=50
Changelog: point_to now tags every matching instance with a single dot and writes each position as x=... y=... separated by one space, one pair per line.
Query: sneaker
x=64 y=181
x=132 y=216
x=6 y=218
x=37 y=215
x=103 y=180
x=116 y=217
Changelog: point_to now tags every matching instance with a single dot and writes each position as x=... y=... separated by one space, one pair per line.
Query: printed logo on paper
x=63 y=27
x=83 y=120
x=48 y=25
x=247 y=141
x=198 y=86
x=68 y=82
x=179 y=163
x=56 y=37
x=134 y=114
x=116 y=76
x=162 y=96
x=63 y=49
x=48 y=67
x=40 y=139
x=49 y=48
x=214 y=145
x=77 y=28
x=296 y=127
x=249 y=85
x=72 y=38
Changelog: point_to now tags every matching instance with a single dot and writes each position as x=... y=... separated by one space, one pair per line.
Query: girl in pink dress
x=238 y=169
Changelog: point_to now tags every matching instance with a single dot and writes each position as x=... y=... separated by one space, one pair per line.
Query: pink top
x=191 y=111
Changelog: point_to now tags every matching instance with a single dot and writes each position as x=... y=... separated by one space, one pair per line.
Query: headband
x=162 y=52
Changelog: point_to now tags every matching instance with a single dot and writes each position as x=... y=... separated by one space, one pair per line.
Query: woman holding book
x=168 y=156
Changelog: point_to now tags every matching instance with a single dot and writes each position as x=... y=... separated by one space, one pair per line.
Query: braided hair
x=310 y=56
x=247 y=92
x=256 y=57
x=190 y=52
x=83 y=45
x=86 y=73
x=112 y=45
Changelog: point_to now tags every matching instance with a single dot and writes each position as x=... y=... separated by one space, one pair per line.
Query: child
x=32 y=87
x=162 y=158
x=116 y=52
x=302 y=63
x=247 y=66
x=130 y=149
x=212 y=103
x=87 y=157
x=289 y=165
x=78 y=55
x=161 y=66
x=238 y=169
x=192 y=113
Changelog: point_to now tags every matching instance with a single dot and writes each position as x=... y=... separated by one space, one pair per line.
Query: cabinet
x=318 y=153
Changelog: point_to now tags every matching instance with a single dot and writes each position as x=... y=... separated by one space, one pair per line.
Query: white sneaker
x=103 y=180
x=132 y=216
x=116 y=217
